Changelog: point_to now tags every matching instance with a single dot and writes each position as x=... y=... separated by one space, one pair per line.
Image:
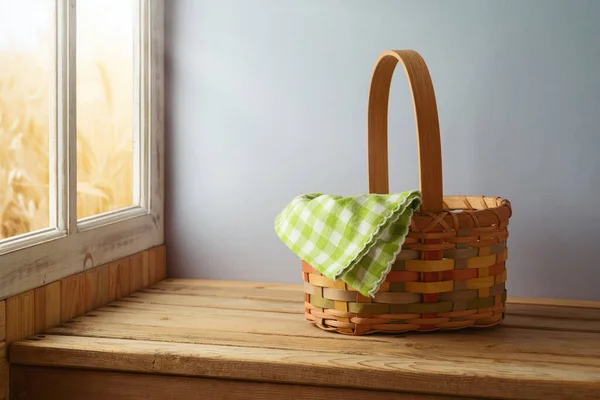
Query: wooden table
x=196 y=339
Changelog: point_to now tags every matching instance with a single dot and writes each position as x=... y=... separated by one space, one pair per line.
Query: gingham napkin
x=355 y=238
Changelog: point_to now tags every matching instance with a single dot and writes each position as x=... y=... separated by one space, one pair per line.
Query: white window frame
x=37 y=258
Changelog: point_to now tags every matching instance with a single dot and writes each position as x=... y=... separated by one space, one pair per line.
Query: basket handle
x=428 y=130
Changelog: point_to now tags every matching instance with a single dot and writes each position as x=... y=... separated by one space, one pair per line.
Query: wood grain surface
x=38 y=383
x=257 y=332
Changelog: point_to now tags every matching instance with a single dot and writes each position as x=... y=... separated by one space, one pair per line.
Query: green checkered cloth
x=355 y=238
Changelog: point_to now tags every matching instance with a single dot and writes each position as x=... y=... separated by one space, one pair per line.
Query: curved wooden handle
x=428 y=129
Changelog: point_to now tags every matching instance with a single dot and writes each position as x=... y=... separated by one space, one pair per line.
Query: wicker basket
x=451 y=271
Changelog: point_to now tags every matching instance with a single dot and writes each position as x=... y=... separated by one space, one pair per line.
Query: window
x=81 y=136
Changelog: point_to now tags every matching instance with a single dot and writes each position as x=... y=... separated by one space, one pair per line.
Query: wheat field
x=104 y=136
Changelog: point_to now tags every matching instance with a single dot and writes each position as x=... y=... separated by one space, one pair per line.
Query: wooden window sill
x=195 y=333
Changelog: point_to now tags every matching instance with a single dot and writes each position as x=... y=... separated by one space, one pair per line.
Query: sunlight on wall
x=104 y=118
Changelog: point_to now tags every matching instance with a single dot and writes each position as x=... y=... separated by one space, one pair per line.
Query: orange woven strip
x=497 y=269
x=429 y=265
x=429 y=247
x=307 y=268
x=369 y=321
x=395 y=327
x=456 y=324
x=430 y=235
x=458 y=314
x=430 y=287
x=428 y=321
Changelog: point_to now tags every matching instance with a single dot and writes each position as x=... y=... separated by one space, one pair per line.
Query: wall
x=266 y=100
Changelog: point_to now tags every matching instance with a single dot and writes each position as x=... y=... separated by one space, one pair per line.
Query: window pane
x=105 y=99
x=26 y=58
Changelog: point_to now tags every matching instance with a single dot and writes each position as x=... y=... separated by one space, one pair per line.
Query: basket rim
x=464 y=212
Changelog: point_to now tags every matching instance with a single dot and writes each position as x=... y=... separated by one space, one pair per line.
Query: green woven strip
x=497 y=248
x=459 y=295
x=504 y=296
x=481 y=303
x=399 y=265
x=321 y=302
x=461 y=253
x=311 y=289
x=397 y=286
x=459 y=305
x=398 y=308
x=429 y=308
x=397 y=298
x=369 y=308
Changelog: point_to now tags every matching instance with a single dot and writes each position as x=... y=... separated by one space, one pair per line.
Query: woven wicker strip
x=451 y=272
x=431 y=265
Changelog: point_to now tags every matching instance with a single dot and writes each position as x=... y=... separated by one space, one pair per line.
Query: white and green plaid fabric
x=355 y=238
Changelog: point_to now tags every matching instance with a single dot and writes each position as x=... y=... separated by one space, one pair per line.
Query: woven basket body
x=451 y=271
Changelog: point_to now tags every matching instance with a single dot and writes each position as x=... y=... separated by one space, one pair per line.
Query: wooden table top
x=250 y=331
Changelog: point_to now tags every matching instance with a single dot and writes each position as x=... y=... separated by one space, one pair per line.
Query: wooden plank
x=279 y=293
x=73 y=299
x=555 y=302
x=552 y=312
x=274 y=295
x=47 y=306
x=97 y=283
x=278 y=322
x=226 y=284
x=2 y=320
x=513 y=346
x=570 y=325
x=231 y=303
x=159 y=263
x=136 y=273
x=4 y=372
x=20 y=316
x=38 y=383
x=462 y=377
x=525 y=317
x=119 y=279
x=146 y=269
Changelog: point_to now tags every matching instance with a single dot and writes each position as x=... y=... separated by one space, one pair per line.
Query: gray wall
x=261 y=94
